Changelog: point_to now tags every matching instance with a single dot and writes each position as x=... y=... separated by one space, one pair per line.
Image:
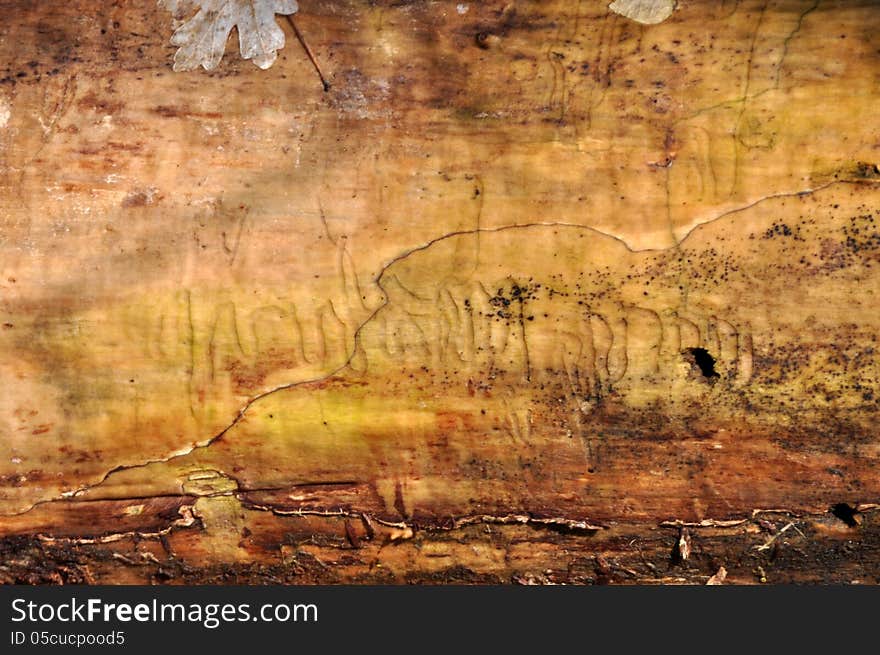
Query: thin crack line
x=742 y=111
x=456 y=523
x=774 y=196
x=861 y=508
x=788 y=39
x=187 y=520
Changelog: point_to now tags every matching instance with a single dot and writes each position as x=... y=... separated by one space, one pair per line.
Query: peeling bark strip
x=309 y=549
x=533 y=294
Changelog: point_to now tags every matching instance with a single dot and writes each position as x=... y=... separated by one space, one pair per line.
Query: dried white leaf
x=647 y=12
x=202 y=38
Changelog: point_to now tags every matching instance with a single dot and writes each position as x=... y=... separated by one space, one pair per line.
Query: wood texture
x=534 y=293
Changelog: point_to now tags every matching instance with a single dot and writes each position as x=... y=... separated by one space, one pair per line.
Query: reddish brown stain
x=169 y=111
x=91 y=102
x=399 y=505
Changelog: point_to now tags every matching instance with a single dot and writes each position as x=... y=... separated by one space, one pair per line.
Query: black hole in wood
x=701 y=358
x=846 y=513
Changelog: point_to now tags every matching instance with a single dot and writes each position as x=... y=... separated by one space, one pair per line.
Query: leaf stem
x=309 y=52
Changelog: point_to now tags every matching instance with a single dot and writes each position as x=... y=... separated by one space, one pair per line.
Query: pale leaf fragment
x=400 y=534
x=647 y=12
x=684 y=544
x=718 y=578
x=202 y=38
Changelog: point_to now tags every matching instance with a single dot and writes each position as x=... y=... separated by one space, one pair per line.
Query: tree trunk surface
x=534 y=293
